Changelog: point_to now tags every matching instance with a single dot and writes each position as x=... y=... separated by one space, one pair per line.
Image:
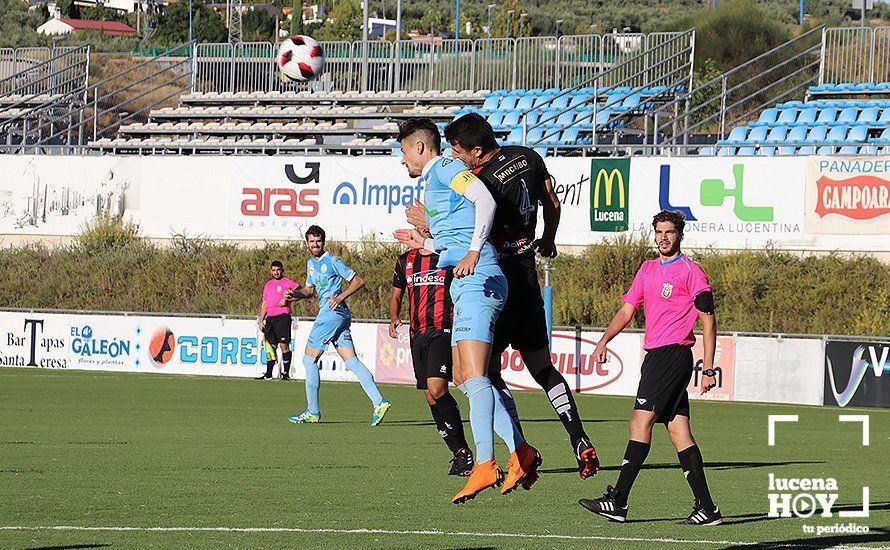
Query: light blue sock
x=478 y=390
x=503 y=422
x=313 y=381
x=366 y=379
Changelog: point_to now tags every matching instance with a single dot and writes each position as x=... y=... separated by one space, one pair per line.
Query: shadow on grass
x=674 y=466
x=874 y=535
x=67 y=546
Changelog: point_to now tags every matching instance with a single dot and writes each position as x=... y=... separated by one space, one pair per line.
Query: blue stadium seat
x=767 y=116
x=787 y=116
x=534 y=136
x=579 y=99
x=549 y=116
x=542 y=101
x=655 y=90
x=867 y=115
x=858 y=134
x=502 y=92
x=737 y=135
x=560 y=102
x=838 y=133
x=885 y=116
x=613 y=100
x=807 y=116
x=797 y=134
x=515 y=137
x=517 y=92
x=507 y=103
x=776 y=135
x=532 y=117
x=511 y=119
x=491 y=102
x=705 y=151
x=755 y=136
x=552 y=91
x=847 y=116
x=495 y=118
x=525 y=102
x=629 y=103
x=566 y=118
x=569 y=136
x=535 y=92
x=827 y=115
x=815 y=135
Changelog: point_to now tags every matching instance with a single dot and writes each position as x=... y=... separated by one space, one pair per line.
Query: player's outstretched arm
x=616 y=325
x=395 y=310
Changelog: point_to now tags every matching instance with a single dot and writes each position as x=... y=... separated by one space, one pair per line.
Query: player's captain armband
x=462 y=180
x=704 y=302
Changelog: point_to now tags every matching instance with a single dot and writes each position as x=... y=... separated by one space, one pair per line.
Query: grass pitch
x=92 y=460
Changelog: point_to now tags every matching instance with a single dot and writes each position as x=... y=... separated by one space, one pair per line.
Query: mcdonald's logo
x=609 y=194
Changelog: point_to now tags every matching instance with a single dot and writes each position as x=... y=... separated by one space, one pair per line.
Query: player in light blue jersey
x=325 y=274
x=460 y=211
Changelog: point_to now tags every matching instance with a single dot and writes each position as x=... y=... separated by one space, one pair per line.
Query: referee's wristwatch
x=709 y=372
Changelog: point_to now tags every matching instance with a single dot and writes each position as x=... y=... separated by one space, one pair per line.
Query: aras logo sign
x=572 y=356
x=285 y=202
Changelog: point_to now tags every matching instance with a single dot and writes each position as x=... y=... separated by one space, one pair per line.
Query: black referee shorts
x=277 y=329
x=431 y=355
x=664 y=376
x=522 y=323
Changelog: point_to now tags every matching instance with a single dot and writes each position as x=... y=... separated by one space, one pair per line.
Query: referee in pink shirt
x=275 y=320
x=674 y=293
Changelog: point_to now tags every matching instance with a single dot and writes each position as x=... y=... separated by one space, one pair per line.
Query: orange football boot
x=522 y=468
x=484 y=475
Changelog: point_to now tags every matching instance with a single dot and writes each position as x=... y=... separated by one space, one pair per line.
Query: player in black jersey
x=519 y=181
x=429 y=322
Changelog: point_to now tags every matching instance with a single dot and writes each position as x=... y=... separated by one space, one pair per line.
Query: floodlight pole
x=800 y=17
x=398 y=74
x=456 y=19
x=490 y=7
x=365 y=32
x=190 y=20
x=510 y=23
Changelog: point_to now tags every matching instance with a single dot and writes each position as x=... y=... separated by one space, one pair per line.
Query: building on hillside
x=65 y=26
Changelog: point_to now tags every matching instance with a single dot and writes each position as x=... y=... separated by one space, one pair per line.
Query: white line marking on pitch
x=366 y=532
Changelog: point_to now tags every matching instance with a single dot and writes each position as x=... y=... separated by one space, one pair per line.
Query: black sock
x=285 y=362
x=694 y=470
x=634 y=457
x=451 y=423
x=561 y=398
x=270 y=364
x=509 y=403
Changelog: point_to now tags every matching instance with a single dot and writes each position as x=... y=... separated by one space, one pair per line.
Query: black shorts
x=431 y=355
x=664 y=376
x=277 y=329
x=522 y=323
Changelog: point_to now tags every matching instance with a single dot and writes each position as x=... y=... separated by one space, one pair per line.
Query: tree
x=346 y=22
x=258 y=26
x=18 y=25
x=296 y=21
x=173 y=25
x=508 y=24
x=69 y=9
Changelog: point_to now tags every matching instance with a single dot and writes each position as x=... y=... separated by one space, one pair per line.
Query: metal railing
x=855 y=54
x=435 y=64
x=735 y=96
x=668 y=63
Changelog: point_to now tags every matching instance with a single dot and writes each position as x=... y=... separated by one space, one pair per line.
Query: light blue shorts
x=331 y=327
x=478 y=300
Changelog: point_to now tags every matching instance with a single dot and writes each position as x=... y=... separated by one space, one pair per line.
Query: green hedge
x=109 y=267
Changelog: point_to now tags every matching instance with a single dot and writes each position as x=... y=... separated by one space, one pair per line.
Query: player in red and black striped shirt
x=429 y=322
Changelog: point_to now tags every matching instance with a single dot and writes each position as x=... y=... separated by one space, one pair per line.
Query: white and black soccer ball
x=300 y=59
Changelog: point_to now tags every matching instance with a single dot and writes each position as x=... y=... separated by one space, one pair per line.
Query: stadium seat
x=569 y=136
x=578 y=100
x=542 y=100
x=787 y=116
x=560 y=102
x=827 y=115
x=867 y=115
x=885 y=116
x=511 y=119
x=797 y=134
x=495 y=118
x=515 y=137
x=566 y=118
x=737 y=135
x=807 y=116
x=491 y=103
x=507 y=103
x=837 y=133
x=776 y=135
x=525 y=102
x=847 y=116
x=767 y=116
x=534 y=136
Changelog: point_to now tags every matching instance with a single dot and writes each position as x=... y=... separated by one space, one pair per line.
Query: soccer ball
x=300 y=59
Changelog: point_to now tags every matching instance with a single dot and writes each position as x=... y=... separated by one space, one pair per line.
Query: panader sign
x=848 y=195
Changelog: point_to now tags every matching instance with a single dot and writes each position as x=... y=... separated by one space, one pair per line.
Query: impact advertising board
x=857 y=373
